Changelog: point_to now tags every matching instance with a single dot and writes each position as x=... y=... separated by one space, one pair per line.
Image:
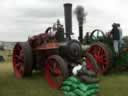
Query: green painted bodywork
x=118 y=61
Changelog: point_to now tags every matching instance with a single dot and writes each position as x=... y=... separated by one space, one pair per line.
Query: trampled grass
x=31 y=86
x=111 y=85
x=115 y=84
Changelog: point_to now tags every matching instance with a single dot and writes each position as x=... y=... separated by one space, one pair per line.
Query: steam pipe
x=81 y=33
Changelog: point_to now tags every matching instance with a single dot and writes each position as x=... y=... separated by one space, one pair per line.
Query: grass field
x=111 y=85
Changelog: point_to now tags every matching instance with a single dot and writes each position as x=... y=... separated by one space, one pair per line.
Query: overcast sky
x=22 y=18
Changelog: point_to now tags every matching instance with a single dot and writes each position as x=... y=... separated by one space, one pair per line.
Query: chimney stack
x=68 y=19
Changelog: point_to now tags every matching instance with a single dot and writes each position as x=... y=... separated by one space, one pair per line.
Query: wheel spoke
x=18 y=65
x=21 y=70
x=89 y=65
x=16 y=56
x=54 y=65
x=97 y=34
x=103 y=67
x=58 y=71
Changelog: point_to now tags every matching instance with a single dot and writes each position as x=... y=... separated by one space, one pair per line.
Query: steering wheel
x=97 y=34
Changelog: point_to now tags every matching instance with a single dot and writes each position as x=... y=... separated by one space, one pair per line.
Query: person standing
x=121 y=35
x=117 y=36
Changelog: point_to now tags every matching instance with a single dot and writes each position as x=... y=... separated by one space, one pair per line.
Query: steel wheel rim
x=52 y=74
x=18 y=61
x=101 y=58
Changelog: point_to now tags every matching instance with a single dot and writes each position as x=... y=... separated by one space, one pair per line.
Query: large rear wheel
x=102 y=55
x=22 y=59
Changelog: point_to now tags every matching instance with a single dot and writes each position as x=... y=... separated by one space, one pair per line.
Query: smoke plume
x=80 y=14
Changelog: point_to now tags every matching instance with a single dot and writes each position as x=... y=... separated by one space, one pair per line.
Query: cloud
x=42 y=12
x=22 y=18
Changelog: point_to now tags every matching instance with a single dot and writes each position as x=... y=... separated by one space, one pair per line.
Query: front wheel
x=91 y=63
x=56 y=70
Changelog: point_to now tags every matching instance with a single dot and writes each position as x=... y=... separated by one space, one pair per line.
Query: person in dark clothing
x=115 y=32
x=116 y=35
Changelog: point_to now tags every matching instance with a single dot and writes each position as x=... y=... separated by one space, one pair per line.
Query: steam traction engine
x=101 y=48
x=50 y=52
